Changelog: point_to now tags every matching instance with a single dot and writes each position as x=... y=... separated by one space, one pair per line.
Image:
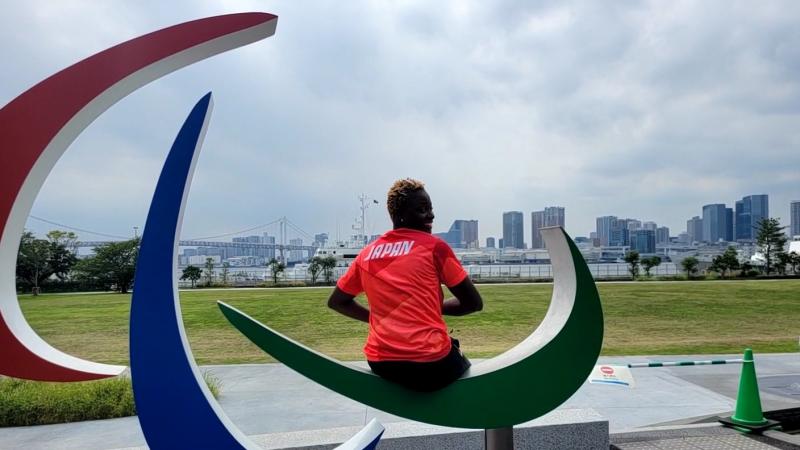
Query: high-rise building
x=741 y=219
x=267 y=253
x=320 y=239
x=694 y=229
x=794 y=218
x=650 y=226
x=554 y=216
x=513 y=235
x=662 y=235
x=604 y=224
x=619 y=234
x=729 y=225
x=462 y=234
x=537 y=223
x=633 y=224
x=750 y=211
x=500 y=243
x=469 y=229
x=717 y=223
x=643 y=240
x=296 y=255
x=551 y=216
x=251 y=251
x=489 y=242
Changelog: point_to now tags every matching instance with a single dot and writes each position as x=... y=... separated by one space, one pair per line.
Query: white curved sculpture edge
x=9 y=243
x=561 y=304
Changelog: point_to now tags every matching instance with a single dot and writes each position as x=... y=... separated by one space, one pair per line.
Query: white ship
x=345 y=252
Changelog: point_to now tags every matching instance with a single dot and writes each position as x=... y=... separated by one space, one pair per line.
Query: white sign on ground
x=608 y=374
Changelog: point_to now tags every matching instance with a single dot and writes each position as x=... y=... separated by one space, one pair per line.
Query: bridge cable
x=299 y=230
x=79 y=229
x=233 y=233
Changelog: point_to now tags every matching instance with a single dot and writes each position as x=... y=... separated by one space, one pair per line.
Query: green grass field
x=640 y=318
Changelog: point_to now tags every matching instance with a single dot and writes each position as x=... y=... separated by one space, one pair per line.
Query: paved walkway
x=270 y=398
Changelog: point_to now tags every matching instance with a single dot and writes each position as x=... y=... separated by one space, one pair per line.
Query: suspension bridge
x=278 y=238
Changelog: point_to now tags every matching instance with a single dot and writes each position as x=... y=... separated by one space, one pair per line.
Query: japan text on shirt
x=389 y=250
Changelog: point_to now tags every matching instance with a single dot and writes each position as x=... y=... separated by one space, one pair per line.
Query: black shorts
x=424 y=376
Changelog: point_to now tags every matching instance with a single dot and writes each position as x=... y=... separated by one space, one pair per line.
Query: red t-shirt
x=402 y=273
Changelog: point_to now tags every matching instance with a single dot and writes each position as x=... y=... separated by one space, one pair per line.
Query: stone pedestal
x=569 y=429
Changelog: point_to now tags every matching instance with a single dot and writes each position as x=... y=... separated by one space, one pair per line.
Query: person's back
x=401 y=274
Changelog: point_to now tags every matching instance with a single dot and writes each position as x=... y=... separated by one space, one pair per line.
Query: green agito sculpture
x=524 y=383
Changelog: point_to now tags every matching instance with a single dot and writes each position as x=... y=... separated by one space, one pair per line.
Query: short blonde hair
x=398 y=195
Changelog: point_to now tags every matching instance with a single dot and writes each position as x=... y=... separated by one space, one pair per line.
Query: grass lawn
x=640 y=318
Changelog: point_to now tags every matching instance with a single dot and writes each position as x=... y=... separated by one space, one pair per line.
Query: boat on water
x=345 y=252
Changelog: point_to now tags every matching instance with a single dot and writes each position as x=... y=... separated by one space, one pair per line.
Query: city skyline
x=531 y=117
x=471 y=226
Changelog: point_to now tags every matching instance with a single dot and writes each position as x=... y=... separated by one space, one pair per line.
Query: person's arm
x=467 y=300
x=345 y=304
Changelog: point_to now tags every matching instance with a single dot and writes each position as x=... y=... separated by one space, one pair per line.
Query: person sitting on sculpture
x=401 y=274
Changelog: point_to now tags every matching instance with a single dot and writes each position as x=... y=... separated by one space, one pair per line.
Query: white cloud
x=646 y=109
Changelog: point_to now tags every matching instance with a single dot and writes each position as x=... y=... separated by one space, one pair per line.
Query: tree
x=328 y=264
x=314 y=268
x=192 y=273
x=649 y=263
x=794 y=261
x=717 y=265
x=276 y=268
x=63 y=249
x=225 y=271
x=745 y=269
x=726 y=261
x=730 y=259
x=771 y=240
x=783 y=260
x=209 y=271
x=39 y=259
x=632 y=258
x=689 y=264
x=32 y=261
x=113 y=265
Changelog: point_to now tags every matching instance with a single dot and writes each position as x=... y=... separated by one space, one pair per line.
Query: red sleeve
x=447 y=265
x=350 y=282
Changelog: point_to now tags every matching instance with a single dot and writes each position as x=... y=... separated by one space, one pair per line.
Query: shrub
x=24 y=403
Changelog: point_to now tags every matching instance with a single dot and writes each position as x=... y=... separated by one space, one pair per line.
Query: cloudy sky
x=635 y=109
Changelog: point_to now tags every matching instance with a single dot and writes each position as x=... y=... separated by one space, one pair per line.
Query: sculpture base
x=567 y=429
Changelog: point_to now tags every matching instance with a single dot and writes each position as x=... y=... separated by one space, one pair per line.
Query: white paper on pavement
x=608 y=374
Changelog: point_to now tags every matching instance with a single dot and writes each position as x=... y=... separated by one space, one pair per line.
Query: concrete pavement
x=270 y=398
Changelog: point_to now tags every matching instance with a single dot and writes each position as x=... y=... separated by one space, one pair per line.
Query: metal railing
x=478 y=273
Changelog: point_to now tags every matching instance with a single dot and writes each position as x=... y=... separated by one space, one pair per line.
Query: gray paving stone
x=270 y=398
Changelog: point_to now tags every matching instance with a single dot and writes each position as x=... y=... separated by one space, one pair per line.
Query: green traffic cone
x=748 y=417
x=748 y=401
